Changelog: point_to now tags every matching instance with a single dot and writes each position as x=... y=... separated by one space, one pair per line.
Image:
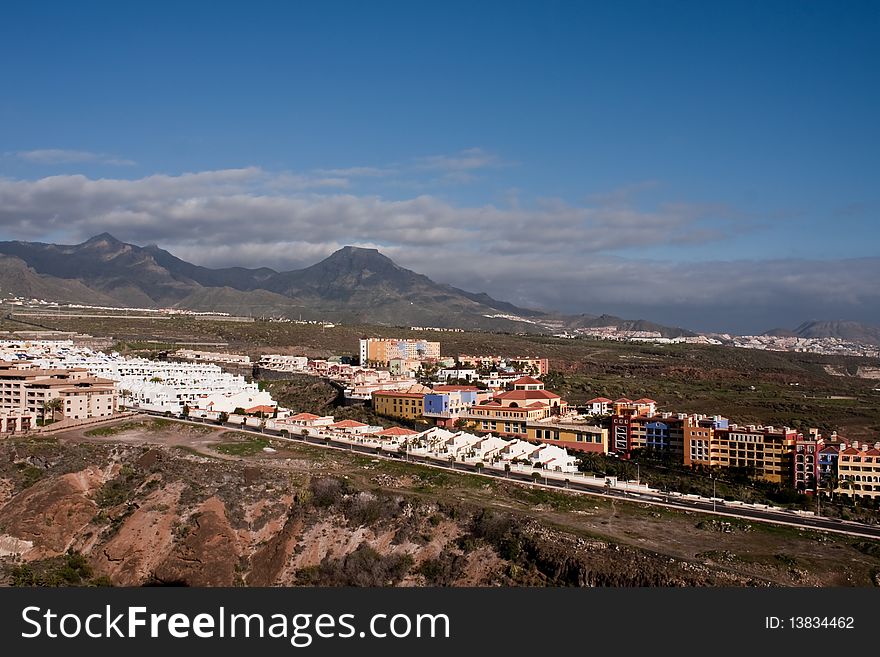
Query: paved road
x=700 y=506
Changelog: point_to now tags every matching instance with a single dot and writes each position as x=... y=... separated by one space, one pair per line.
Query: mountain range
x=844 y=330
x=352 y=285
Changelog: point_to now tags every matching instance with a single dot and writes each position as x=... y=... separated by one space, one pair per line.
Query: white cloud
x=551 y=254
x=62 y=156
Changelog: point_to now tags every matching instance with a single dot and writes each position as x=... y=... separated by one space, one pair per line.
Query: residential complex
x=32 y=390
x=508 y=413
x=528 y=364
x=170 y=386
x=380 y=351
x=405 y=404
x=213 y=357
x=858 y=470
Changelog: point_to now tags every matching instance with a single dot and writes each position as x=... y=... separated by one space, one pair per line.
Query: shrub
x=363 y=567
x=326 y=492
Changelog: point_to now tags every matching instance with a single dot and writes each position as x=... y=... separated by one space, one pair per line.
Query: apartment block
x=408 y=404
x=662 y=432
x=571 y=434
x=13 y=421
x=858 y=470
x=537 y=366
x=767 y=450
x=380 y=351
x=805 y=472
x=32 y=389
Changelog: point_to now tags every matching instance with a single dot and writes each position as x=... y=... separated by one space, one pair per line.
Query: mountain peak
x=358 y=256
x=103 y=238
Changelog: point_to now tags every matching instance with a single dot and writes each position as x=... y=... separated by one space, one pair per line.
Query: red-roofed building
x=508 y=413
x=347 y=424
x=599 y=406
x=353 y=427
x=626 y=407
x=528 y=383
x=304 y=420
x=262 y=411
x=395 y=432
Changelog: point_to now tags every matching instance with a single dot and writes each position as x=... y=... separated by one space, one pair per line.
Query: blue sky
x=616 y=141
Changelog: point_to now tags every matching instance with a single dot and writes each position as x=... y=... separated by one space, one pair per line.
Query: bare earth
x=156 y=502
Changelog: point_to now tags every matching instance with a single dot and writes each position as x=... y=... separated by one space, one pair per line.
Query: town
x=473 y=408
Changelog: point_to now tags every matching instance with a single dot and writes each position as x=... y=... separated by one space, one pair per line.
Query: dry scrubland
x=157 y=502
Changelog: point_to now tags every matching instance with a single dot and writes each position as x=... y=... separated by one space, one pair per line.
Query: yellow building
x=858 y=470
x=573 y=435
x=767 y=450
x=406 y=404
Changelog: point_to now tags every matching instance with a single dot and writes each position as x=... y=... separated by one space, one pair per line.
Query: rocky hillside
x=108 y=508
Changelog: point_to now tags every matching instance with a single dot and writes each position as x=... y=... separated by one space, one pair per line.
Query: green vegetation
x=363 y=567
x=119 y=489
x=247 y=447
x=29 y=475
x=113 y=429
x=71 y=569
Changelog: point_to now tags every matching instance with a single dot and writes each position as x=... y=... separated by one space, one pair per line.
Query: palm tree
x=125 y=394
x=832 y=483
x=55 y=404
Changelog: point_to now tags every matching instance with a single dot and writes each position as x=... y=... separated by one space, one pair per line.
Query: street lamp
x=713 y=494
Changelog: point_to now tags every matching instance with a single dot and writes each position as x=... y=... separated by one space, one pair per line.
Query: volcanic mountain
x=352 y=285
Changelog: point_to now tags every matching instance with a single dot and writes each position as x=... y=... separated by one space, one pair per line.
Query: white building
x=454 y=373
x=554 y=458
x=213 y=356
x=489 y=448
x=163 y=385
x=281 y=363
x=599 y=406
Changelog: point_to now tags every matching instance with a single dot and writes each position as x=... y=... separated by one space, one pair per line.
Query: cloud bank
x=550 y=254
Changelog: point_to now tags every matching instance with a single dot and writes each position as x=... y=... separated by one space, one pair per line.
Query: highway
x=671 y=501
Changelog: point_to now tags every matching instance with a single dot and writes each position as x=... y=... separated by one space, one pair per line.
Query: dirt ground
x=781 y=555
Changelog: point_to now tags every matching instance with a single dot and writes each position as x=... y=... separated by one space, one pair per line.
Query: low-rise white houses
x=164 y=386
x=282 y=363
x=556 y=459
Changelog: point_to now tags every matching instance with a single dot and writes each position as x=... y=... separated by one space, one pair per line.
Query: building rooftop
x=347 y=424
x=396 y=431
x=517 y=395
x=304 y=416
